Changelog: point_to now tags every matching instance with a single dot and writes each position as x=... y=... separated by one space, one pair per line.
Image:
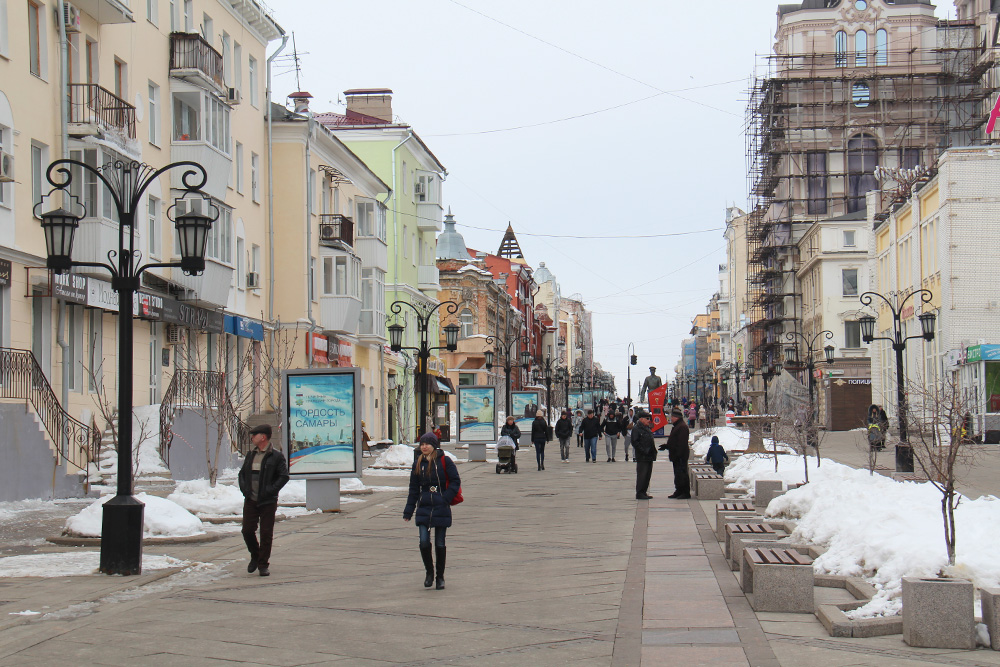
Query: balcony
x=211 y=288
x=94 y=111
x=335 y=228
x=340 y=314
x=94 y=238
x=106 y=11
x=217 y=165
x=430 y=216
x=428 y=278
x=373 y=252
x=194 y=59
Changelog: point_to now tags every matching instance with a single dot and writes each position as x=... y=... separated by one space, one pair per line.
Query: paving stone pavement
x=559 y=567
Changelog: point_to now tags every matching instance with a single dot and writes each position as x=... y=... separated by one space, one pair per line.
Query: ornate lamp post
x=768 y=372
x=547 y=372
x=904 y=453
x=792 y=359
x=735 y=370
x=503 y=348
x=564 y=378
x=126 y=183
x=632 y=361
x=424 y=349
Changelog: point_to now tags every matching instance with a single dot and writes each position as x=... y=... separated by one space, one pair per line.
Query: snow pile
x=161 y=518
x=293 y=492
x=745 y=470
x=397 y=456
x=71 y=564
x=729 y=437
x=883 y=530
x=199 y=497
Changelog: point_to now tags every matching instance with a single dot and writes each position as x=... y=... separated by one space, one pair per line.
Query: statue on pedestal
x=650 y=383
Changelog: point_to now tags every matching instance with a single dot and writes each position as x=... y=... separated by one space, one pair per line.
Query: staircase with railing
x=200 y=390
x=21 y=378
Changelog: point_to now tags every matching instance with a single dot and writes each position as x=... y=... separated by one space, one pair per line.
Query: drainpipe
x=64 y=108
x=395 y=227
x=270 y=212
x=309 y=214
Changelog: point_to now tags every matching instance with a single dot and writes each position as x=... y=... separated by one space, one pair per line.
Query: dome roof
x=542 y=274
x=451 y=244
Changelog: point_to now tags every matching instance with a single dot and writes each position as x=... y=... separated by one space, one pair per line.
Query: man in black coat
x=677 y=448
x=591 y=429
x=263 y=474
x=644 y=450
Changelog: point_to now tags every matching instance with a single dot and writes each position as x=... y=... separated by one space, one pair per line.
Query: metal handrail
x=189 y=50
x=22 y=378
x=91 y=104
x=336 y=227
x=206 y=390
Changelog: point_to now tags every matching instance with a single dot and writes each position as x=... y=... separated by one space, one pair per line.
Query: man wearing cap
x=644 y=452
x=677 y=448
x=263 y=474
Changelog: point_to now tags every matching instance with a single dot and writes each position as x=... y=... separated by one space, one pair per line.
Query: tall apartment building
x=105 y=81
x=851 y=85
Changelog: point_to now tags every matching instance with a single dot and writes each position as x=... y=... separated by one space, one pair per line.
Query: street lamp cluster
x=504 y=348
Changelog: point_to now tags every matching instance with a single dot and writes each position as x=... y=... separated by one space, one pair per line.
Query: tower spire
x=509 y=247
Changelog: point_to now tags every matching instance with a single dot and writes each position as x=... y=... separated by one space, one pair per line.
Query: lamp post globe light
x=424 y=314
x=792 y=359
x=895 y=303
x=126 y=182
x=504 y=349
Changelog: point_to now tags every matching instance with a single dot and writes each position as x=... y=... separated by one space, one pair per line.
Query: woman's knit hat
x=430 y=439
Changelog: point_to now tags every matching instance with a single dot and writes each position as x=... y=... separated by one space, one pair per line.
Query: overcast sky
x=659 y=149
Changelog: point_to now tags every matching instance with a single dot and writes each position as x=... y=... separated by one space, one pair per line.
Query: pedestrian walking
x=645 y=454
x=539 y=436
x=261 y=477
x=702 y=416
x=677 y=448
x=511 y=430
x=590 y=427
x=692 y=414
x=577 y=419
x=612 y=427
x=628 y=423
x=564 y=431
x=434 y=482
x=717 y=456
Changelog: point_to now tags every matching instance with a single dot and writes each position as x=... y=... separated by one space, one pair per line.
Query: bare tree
x=107 y=407
x=935 y=426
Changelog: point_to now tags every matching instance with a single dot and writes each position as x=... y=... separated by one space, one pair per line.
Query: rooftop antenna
x=295 y=60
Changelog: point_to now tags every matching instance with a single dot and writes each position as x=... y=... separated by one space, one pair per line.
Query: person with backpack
x=717 y=456
x=539 y=436
x=564 y=431
x=434 y=483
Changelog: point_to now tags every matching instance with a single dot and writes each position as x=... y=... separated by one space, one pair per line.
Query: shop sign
x=70 y=287
x=906 y=313
x=244 y=327
x=344 y=359
x=983 y=353
x=101 y=295
x=320 y=348
x=973 y=354
x=4 y=273
x=176 y=312
x=147 y=306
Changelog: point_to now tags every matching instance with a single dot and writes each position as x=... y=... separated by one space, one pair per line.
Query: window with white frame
x=252 y=79
x=312 y=278
x=425 y=188
x=849 y=280
x=220 y=237
x=238 y=160
x=840 y=45
x=85 y=185
x=468 y=323
x=153 y=226
x=255 y=259
x=364 y=221
x=380 y=220
x=881 y=47
x=241 y=266
x=173 y=16
x=254 y=176
x=852 y=334
x=861 y=49
x=154 y=113
x=6 y=145
x=406 y=239
x=367 y=301
x=849 y=238
x=227 y=58
x=201 y=117
x=36 y=40
x=153 y=12
x=188 y=15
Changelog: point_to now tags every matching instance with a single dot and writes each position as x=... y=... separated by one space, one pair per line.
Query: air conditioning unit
x=233 y=96
x=71 y=18
x=253 y=280
x=419 y=188
x=6 y=167
x=328 y=233
x=175 y=334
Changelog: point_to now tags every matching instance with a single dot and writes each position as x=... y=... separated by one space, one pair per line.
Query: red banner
x=656 y=398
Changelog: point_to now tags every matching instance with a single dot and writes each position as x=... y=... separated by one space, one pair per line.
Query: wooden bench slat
x=773 y=556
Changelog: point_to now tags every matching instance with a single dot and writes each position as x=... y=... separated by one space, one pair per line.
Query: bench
x=730 y=508
x=709 y=486
x=778 y=580
x=909 y=476
x=698 y=469
x=737 y=533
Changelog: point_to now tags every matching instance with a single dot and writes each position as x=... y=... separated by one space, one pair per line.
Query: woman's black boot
x=425 y=554
x=440 y=567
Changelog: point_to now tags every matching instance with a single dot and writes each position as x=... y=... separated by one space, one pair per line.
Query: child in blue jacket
x=717 y=456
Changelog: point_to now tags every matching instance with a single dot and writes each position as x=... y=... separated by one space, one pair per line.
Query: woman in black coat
x=510 y=429
x=434 y=482
x=539 y=436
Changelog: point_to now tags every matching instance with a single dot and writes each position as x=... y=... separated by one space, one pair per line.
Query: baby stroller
x=507 y=455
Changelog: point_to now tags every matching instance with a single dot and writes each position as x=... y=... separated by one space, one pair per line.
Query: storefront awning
x=437 y=384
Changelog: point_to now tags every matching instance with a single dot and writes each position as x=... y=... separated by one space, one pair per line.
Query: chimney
x=301 y=101
x=371 y=102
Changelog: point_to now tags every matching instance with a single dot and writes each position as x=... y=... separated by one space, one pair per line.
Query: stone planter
x=991 y=614
x=477 y=451
x=765 y=490
x=939 y=613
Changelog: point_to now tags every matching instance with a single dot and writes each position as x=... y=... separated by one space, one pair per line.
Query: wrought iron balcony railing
x=189 y=51
x=91 y=104
x=336 y=227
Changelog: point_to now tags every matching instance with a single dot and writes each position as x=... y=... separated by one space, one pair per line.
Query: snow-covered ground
x=730 y=438
x=877 y=528
x=400 y=456
x=161 y=518
x=71 y=564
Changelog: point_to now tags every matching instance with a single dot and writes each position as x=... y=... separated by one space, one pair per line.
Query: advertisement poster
x=656 y=399
x=588 y=400
x=524 y=405
x=322 y=422
x=576 y=401
x=477 y=414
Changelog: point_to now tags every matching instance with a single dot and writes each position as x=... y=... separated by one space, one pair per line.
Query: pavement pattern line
x=895 y=653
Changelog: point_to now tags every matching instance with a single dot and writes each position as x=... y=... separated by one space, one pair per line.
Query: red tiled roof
x=350 y=119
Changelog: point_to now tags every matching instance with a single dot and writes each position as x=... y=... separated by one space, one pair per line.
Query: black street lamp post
x=503 y=347
x=548 y=371
x=904 y=453
x=424 y=314
x=632 y=361
x=792 y=358
x=564 y=377
x=768 y=372
x=737 y=369
x=126 y=183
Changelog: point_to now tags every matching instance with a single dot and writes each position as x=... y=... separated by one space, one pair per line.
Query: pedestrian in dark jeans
x=263 y=474
x=539 y=436
x=717 y=456
x=591 y=429
x=564 y=431
x=644 y=453
x=677 y=447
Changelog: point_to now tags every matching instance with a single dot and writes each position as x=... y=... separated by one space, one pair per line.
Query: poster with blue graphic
x=576 y=401
x=524 y=405
x=588 y=399
x=477 y=414
x=322 y=422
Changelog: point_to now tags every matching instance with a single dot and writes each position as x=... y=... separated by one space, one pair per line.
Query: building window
x=862 y=157
x=406 y=242
x=4 y=26
x=188 y=15
x=849 y=238
x=173 y=15
x=121 y=78
x=154 y=114
x=152 y=11
x=852 y=334
x=840 y=43
x=312 y=278
x=816 y=183
x=849 y=278
x=220 y=236
x=466 y=379
x=861 y=94
x=909 y=157
x=238 y=159
x=37 y=172
x=365 y=220
x=861 y=49
x=153 y=228
x=252 y=79
x=6 y=139
x=241 y=266
x=34 y=39
x=468 y=323
x=91 y=55
x=199 y=117
x=881 y=47
x=254 y=176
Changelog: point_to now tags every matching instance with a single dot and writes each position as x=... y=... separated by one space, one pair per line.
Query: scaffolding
x=817 y=127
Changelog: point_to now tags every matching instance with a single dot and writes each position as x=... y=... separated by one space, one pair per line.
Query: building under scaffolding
x=851 y=86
